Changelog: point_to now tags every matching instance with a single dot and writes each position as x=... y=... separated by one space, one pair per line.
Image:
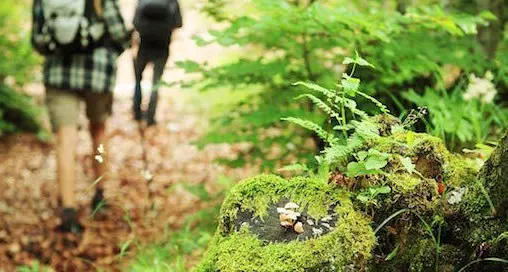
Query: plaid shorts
x=64 y=107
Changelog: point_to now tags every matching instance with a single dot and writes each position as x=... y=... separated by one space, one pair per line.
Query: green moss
x=257 y=193
x=404 y=182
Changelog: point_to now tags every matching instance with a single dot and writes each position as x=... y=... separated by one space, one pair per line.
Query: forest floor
x=139 y=211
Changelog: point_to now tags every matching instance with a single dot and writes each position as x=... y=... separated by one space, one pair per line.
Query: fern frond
x=294 y=168
x=351 y=105
x=311 y=86
x=366 y=129
x=354 y=141
x=336 y=153
x=321 y=104
x=309 y=125
x=347 y=127
x=380 y=105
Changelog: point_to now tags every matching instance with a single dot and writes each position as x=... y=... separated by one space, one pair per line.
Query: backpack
x=66 y=27
x=154 y=20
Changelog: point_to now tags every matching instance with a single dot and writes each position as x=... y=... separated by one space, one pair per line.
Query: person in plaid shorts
x=90 y=78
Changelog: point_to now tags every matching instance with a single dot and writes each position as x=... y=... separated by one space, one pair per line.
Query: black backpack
x=156 y=19
x=66 y=27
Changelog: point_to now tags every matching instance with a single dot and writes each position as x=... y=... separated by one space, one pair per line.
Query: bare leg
x=66 y=161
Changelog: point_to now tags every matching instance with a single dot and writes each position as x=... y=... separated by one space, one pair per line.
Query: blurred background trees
x=426 y=53
x=17 y=65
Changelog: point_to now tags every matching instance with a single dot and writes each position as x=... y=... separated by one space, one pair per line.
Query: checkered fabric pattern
x=95 y=72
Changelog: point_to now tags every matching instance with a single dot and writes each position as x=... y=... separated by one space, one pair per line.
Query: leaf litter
x=137 y=213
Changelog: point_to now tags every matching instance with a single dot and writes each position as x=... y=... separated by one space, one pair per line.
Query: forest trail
x=28 y=187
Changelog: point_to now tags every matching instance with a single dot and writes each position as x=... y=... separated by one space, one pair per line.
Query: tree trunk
x=491 y=35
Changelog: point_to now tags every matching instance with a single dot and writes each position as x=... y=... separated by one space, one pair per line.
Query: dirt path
x=28 y=186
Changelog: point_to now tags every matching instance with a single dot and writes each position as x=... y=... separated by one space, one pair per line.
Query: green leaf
x=348 y=60
x=347 y=127
x=487 y=15
x=189 y=66
x=390 y=218
x=362 y=62
x=336 y=152
x=362 y=155
x=410 y=137
x=321 y=104
x=124 y=248
x=329 y=93
x=363 y=198
x=408 y=164
x=309 y=125
x=384 y=190
x=350 y=85
x=392 y=254
x=355 y=169
x=375 y=162
x=499 y=260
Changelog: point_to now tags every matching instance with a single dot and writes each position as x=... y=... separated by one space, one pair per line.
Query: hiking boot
x=151 y=122
x=70 y=222
x=138 y=116
x=98 y=201
x=152 y=108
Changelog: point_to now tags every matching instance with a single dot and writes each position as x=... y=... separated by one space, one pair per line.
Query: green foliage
x=35 y=267
x=294 y=41
x=175 y=252
x=459 y=121
x=178 y=250
x=369 y=197
x=354 y=128
x=17 y=61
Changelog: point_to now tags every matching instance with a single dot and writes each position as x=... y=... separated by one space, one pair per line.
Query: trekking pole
x=147 y=175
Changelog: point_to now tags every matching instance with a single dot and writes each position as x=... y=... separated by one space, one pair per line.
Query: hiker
x=81 y=41
x=155 y=21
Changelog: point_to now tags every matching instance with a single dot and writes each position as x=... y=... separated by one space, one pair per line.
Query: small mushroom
x=285 y=217
x=291 y=206
x=327 y=226
x=286 y=224
x=288 y=215
x=286 y=220
x=281 y=210
x=298 y=228
x=326 y=218
x=316 y=231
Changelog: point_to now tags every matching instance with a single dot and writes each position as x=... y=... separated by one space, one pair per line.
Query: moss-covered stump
x=429 y=209
x=250 y=237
